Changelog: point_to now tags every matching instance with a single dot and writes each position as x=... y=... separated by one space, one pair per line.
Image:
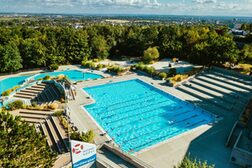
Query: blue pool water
x=137 y=115
x=11 y=82
x=73 y=75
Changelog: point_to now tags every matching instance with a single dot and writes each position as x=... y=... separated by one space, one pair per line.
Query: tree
x=33 y=53
x=150 y=54
x=21 y=145
x=100 y=47
x=10 y=59
x=246 y=52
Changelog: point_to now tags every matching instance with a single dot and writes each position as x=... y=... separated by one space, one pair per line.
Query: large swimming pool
x=137 y=115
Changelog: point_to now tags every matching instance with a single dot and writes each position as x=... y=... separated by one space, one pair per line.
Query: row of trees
x=30 y=47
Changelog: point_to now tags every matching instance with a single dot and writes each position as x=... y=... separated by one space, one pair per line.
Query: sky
x=166 y=7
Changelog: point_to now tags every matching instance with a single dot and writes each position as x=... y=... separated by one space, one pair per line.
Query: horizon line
x=124 y=14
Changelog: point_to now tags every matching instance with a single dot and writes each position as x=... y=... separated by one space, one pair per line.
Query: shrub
x=96 y=60
x=60 y=77
x=162 y=75
x=88 y=64
x=53 y=106
x=193 y=163
x=116 y=69
x=100 y=66
x=150 y=54
x=150 y=70
x=8 y=92
x=17 y=104
x=47 y=77
x=64 y=122
x=85 y=137
x=53 y=67
x=58 y=113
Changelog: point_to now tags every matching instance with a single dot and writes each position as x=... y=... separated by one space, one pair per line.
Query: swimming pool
x=137 y=115
x=9 y=83
x=73 y=75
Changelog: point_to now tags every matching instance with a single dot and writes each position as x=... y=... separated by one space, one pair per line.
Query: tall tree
x=100 y=47
x=33 y=53
x=10 y=59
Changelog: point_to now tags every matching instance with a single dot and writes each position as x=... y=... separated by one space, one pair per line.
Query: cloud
x=204 y=1
x=102 y=3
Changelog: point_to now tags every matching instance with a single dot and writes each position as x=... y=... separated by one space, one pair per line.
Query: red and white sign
x=83 y=154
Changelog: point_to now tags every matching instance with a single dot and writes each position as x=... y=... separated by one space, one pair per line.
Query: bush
x=116 y=69
x=47 y=77
x=162 y=75
x=150 y=70
x=96 y=60
x=100 y=66
x=145 y=68
x=150 y=54
x=53 y=67
x=193 y=163
x=17 y=104
x=88 y=64
x=53 y=106
x=8 y=92
x=60 y=77
x=63 y=122
x=85 y=137
x=58 y=113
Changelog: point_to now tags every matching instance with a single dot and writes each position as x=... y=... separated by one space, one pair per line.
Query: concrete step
x=56 y=139
x=24 y=96
x=35 y=116
x=35 y=89
x=61 y=133
x=33 y=120
x=222 y=85
x=49 y=140
x=233 y=95
x=38 y=86
x=203 y=97
x=232 y=77
x=26 y=93
x=35 y=112
x=229 y=82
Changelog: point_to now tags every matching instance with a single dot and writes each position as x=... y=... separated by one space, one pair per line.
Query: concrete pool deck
x=205 y=142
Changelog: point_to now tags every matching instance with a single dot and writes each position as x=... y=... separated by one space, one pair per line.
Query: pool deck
x=205 y=142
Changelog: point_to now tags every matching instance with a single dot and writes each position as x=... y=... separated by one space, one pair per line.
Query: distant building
x=238 y=32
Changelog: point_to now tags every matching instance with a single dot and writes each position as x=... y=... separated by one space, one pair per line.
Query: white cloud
x=204 y=1
x=101 y=3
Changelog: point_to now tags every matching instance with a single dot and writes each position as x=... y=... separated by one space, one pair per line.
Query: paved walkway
x=205 y=143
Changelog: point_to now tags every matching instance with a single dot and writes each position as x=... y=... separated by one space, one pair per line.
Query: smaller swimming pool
x=73 y=75
x=9 y=83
